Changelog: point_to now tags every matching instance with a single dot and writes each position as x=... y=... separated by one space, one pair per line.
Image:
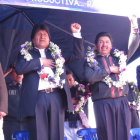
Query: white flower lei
x=92 y=62
x=83 y=99
x=56 y=54
x=24 y=50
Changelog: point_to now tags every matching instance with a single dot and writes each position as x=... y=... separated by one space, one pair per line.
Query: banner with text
x=114 y=7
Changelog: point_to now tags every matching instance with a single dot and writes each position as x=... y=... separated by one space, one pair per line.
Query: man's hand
x=133 y=20
x=9 y=71
x=2 y=114
x=48 y=62
x=114 y=69
x=75 y=28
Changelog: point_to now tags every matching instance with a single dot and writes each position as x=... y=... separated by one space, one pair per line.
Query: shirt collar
x=104 y=55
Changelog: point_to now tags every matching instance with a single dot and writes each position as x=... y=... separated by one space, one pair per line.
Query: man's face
x=70 y=80
x=41 y=39
x=104 y=45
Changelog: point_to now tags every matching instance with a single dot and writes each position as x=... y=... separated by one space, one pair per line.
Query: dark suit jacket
x=31 y=80
x=99 y=89
x=3 y=93
x=77 y=53
x=14 y=92
x=138 y=76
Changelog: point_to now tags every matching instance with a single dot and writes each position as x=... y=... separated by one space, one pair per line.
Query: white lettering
x=71 y=2
x=76 y=3
x=46 y=0
x=51 y=1
x=57 y=2
x=90 y=3
x=66 y=2
x=62 y=2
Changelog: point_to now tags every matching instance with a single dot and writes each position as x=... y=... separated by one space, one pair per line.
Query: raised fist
x=133 y=20
x=75 y=28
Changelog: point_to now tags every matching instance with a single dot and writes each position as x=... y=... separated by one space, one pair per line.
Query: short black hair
x=68 y=71
x=38 y=27
x=101 y=34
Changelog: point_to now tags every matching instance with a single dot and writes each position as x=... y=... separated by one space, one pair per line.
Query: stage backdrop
x=16 y=24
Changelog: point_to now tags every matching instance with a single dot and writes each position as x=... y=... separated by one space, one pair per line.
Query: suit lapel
x=49 y=56
x=35 y=53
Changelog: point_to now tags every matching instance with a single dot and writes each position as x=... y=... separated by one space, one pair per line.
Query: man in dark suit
x=12 y=122
x=112 y=113
x=133 y=44
x=42 y=96
x=3 y=97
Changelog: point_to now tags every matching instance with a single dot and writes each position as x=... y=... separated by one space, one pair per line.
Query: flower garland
x=56 y=54
x=135 y=104
x=83 y=94
x=92 y=62
x=24 y=50
x=83 y=99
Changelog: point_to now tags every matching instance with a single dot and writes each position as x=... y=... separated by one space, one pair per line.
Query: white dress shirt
x=44 y=84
